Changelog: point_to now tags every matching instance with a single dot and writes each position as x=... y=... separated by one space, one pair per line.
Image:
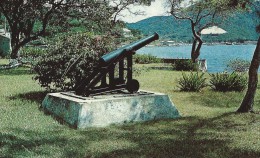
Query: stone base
x=104 y=110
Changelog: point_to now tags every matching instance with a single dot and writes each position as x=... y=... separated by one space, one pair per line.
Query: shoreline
x=171 y=43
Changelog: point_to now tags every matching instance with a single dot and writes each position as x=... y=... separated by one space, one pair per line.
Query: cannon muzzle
x=126 y=50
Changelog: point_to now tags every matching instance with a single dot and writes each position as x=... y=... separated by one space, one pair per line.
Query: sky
x=155 y=9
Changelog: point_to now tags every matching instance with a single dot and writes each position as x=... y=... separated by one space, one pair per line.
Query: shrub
x=228 y=82
x=31 y=54
x=146 y=59
x=28 y=52
x=239 y=65
x=185 y=65
x=193 y=82
x=69 y=60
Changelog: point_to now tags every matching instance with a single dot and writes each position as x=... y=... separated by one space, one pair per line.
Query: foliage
x=185 y=65
x=32 y=19
x=136 y=33
x=145 y=59
x=228 y=82
x=31 y=54
x=200 y=14
x=69 y=60
x=238 y=65
x=193 y=82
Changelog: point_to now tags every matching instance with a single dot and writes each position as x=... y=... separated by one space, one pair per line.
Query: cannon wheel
x=132 y=86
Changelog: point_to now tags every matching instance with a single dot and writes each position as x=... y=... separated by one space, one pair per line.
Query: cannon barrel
x=124 y=51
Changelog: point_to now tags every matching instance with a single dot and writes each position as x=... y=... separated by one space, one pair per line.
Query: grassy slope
x=208 y=128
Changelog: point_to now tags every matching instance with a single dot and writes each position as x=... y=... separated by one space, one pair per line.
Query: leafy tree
x=30 y=19
x=121 y=5
x=201 y=14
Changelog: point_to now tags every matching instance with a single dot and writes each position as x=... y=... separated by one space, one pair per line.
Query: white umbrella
x=213 y=30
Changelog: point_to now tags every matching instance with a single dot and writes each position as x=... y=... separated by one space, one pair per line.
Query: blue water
x=217 y=56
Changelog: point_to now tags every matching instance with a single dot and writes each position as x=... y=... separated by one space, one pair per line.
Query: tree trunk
x=14 y=53
x=194 y=44
x=195 y=51
x=14 y=44
x=248 y=101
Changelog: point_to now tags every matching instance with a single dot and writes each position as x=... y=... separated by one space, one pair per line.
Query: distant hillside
x=239 y=27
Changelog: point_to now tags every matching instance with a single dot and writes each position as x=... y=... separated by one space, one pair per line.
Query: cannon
x=96 y=82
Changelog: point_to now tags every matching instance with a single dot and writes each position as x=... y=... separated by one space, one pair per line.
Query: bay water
x=217 y=56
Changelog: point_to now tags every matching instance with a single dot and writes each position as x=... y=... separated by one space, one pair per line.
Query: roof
x=213 y=30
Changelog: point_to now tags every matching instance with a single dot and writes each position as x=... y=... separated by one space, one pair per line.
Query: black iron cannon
x=97 y=81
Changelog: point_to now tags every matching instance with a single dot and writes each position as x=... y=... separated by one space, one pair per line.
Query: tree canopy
x=30 y=19
x=201 y=14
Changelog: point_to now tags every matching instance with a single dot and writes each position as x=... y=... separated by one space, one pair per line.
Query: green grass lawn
x=208 y=127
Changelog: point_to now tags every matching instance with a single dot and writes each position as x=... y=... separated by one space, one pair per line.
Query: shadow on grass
x=212 y=98
x=185 y=137
x=21 y=142
x=37 y=96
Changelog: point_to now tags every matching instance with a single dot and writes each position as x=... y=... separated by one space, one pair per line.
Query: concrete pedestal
x=103 y=110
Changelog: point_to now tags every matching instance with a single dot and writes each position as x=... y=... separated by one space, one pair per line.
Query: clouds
x=157 y=8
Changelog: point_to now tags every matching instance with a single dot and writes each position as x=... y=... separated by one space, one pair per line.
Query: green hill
x=240 y=27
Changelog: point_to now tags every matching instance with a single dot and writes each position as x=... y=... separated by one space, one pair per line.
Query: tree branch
x=182 y=18
x=197 y=37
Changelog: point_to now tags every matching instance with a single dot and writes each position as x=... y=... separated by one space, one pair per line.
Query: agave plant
x=228 y=82
x=193 y=82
